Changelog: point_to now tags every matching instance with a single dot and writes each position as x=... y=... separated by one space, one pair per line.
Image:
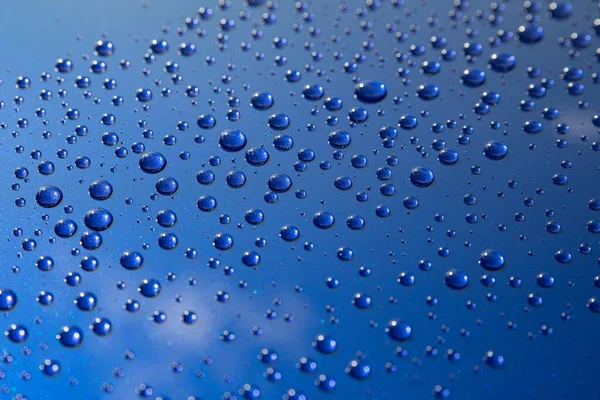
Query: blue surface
x=480 y=283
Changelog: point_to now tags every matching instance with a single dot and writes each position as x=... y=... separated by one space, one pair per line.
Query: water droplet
x=491 y=260
x=473 y=77
x=421 y=176
x=70 y=336
x=232 y=140
x=502 y=62
x=152 y=162
x=495 y=150
x=399 y=330
x=456 y=279
x=48 y=196
x=370 y=91
x=325 y=344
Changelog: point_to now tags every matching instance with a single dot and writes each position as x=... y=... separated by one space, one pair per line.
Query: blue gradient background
x=34 y=34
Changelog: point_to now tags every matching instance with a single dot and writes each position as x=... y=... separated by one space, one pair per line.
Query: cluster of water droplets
x=347 y=155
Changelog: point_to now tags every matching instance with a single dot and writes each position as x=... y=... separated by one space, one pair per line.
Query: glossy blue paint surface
x=379 y=200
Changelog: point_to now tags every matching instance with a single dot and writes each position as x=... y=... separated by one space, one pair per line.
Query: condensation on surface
x=299 y=200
